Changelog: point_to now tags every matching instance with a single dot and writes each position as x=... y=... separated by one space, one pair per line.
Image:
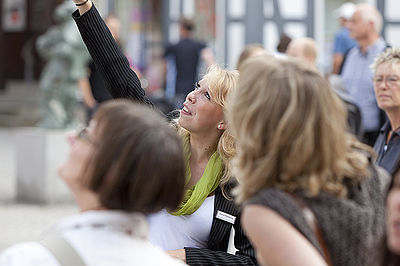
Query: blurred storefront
x=241 y=22
x=225 y=25
x=21 y=22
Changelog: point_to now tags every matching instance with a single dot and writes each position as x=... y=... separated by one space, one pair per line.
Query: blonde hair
x=391 y=55
x=307 y=49
x=290 y=131
x=221 y=83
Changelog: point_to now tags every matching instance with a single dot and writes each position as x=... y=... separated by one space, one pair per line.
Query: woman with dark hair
x=198 y=232
x=109 y=164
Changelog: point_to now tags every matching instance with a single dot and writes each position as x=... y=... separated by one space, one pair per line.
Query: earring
x=219 y=126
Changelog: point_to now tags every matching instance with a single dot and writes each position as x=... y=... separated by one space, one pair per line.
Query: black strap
x=313 y=223
x=81 y=4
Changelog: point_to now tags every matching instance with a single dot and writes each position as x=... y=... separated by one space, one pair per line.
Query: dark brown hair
x=283 y=44
x=138 y=162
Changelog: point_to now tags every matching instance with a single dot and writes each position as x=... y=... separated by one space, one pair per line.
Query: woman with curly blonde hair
x=295 y=156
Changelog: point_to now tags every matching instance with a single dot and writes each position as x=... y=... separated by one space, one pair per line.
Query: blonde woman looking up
x=198 y=231
x=293 y=155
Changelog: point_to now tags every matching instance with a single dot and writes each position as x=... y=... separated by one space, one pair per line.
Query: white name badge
x=226 y=217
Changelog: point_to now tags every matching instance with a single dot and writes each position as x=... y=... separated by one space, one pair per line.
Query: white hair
x=371 y=13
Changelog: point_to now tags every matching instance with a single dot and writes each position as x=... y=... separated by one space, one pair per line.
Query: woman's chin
x=67 y=174
x=182 y=123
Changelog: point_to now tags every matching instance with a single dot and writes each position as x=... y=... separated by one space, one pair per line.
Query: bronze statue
x=66 y=57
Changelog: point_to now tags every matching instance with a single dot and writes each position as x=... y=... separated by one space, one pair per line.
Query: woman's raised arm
x=120 y=79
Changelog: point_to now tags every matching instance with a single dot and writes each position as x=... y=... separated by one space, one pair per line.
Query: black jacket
x=388 y=155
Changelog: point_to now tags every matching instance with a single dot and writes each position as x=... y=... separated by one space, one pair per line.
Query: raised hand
x=83 y=5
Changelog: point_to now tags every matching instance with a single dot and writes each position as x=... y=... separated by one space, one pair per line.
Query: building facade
x=225 y=25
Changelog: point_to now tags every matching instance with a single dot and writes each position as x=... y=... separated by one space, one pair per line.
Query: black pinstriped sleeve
x=208 y=257
x=120 y=79
x=244 y=256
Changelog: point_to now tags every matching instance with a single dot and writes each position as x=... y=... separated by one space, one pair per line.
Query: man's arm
x=87 y=95
x=337 y=63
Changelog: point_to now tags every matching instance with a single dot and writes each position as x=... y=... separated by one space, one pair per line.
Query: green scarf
x=196 y=195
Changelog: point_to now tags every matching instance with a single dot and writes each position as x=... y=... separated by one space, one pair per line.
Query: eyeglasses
x=390 y=80
x=83 y=135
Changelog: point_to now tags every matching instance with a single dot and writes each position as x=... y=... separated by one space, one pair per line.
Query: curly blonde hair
x=391 y=55
x=221 y=83
x=291 y=132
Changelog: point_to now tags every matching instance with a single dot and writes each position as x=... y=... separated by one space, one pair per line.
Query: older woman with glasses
x=387 y=92
x=108 y=166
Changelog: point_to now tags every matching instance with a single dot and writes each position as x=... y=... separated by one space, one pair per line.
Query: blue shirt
x=343 y=42
x=357 y=79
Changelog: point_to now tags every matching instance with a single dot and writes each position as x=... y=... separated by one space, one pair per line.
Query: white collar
x=133 y=224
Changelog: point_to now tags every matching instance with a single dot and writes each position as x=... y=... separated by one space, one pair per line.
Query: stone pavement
x=21 y=222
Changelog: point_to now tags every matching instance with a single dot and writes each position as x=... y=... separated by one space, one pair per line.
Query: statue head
x=63 y=11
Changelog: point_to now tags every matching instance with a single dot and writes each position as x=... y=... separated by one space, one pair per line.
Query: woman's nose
x=191 y=97
x=382 y=85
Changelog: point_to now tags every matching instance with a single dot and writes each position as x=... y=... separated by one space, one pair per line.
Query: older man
x=365 y=28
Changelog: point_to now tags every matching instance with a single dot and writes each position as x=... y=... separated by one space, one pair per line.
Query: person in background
x=284 y=41
x=185 y=57
x=198 y=232
x=342 y=42
x=353 y=111
x=392 y=248
x=298 y=168
x=93 y=89
x=106 y=175
x=250 y=50
x=365 y=28
x=305 y=49
x=386 y=81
